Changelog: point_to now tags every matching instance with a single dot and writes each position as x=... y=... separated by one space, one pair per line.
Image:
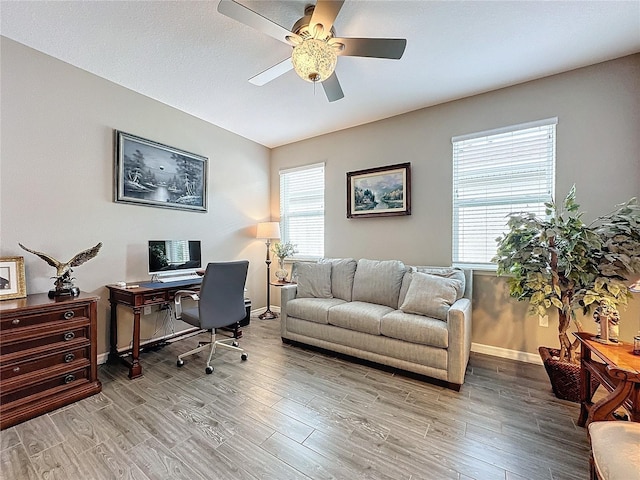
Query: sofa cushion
x=314 y=280
x=406 y=281
x=342 y=272
x=312 y=309
x=447 y=272
x=430 y=295
x=415 y=329
x=378 y=281
x=359 y=316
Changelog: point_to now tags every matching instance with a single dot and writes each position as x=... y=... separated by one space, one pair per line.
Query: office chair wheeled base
x=229 y=343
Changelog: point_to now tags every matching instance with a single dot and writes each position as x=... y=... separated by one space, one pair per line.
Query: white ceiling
x=187 y=55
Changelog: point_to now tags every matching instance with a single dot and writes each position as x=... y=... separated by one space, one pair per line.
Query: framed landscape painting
x=12 y=282
x=379 y=192
x=153 y=174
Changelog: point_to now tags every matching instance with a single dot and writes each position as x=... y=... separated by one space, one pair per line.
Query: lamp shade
x=268 y=230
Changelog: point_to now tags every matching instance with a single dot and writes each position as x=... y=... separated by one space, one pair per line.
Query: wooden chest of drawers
x=47 y=354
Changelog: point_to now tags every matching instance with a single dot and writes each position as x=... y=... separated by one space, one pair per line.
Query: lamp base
x=268 y=315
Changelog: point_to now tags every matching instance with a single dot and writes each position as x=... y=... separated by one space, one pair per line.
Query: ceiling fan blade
x=325 y=13
x=242 y=14
x=272 y=73
x=332 y=88
x=373 y=47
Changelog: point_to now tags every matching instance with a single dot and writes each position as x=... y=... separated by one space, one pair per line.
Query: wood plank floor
x=291 y=413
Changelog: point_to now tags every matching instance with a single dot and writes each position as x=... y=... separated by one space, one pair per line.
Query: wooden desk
x=617 y=369
x=144 y=295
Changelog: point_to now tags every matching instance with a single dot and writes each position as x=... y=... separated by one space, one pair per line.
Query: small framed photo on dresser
x=12 y=282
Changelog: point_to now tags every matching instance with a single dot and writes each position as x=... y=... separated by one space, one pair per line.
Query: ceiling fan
x=315 y=45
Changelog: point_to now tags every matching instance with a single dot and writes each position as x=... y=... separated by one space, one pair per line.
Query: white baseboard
x=506 y=353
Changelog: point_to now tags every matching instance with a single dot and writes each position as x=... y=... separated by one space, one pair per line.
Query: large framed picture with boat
x=379 y=192
x=150 y=173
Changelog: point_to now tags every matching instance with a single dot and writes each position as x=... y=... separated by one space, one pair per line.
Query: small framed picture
x=150 y=173
x=379 y=192
x=12 y=282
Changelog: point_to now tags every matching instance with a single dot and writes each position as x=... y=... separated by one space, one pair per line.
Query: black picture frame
x=157 y=175
x=379 y=192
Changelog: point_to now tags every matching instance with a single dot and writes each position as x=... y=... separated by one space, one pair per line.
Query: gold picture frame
x=12 y=280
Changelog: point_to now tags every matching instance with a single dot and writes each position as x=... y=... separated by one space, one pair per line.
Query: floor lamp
x=268 y=231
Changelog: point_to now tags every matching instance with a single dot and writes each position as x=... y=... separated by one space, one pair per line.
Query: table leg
x=113 y=335
x=585 y=386
x=135 y=369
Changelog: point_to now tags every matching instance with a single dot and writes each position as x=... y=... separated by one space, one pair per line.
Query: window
x=302 y=209
x=497 y=172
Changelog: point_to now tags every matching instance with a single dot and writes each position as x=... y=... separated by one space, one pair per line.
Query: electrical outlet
x=147 y=310
x=543 y=321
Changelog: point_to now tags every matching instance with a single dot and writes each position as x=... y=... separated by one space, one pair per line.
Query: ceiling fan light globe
x=314 y=60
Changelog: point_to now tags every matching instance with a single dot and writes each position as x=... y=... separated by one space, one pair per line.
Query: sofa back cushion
x=430 y=295
x=314 y=280
x=342 y=272
x=378 y=281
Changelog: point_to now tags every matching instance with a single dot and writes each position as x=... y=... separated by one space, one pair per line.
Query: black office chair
x=220 y=304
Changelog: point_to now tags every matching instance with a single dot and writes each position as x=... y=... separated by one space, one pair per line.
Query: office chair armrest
x=177 y=300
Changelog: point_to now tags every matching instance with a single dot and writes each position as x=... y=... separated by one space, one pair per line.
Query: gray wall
x=598 y=149
x=56 y=176
x=57 y=173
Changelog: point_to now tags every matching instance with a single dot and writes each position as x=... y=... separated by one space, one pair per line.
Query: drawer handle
x=69 y=378
x=15 y=321
x=16 y=369
x=69 y=357
x=69 y=314
x=69 y=336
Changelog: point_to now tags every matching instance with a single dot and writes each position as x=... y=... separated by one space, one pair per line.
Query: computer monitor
x=168 y=258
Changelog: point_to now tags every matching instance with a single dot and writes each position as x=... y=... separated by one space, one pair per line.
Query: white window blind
x=495 y=173
x=302 y=209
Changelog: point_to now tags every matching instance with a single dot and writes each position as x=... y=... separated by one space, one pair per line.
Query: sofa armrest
x=459 y=324
x=288 y=292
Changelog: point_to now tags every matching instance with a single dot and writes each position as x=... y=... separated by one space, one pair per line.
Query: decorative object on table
x=64 y=282
x=379 y=192
x=12 y=282
x=635 y=288
x=282 y=251
x=150 y=173
x=268 y=231
x=609 y=316
x=559 y=262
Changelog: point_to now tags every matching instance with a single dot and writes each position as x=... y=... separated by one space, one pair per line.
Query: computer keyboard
x=178 y=278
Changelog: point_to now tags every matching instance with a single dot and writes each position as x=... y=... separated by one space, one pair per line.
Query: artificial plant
x=559 y=262
x=284 y=250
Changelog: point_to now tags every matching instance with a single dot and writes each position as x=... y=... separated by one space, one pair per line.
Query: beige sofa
x=416 y=319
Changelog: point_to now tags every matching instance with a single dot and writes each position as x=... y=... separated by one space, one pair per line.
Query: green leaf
x=556 y=303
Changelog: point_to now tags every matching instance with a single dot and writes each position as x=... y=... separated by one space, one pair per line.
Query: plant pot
x=564 y=376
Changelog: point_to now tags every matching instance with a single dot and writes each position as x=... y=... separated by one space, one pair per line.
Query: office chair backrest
x=222 y=294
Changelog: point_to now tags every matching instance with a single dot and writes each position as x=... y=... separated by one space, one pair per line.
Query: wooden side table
x=617 y=369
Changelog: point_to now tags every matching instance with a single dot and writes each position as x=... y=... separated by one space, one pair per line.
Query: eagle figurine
x=64 y=282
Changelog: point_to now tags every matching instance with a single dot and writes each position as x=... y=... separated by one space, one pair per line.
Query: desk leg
x=113 y=335
x=135 y=369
